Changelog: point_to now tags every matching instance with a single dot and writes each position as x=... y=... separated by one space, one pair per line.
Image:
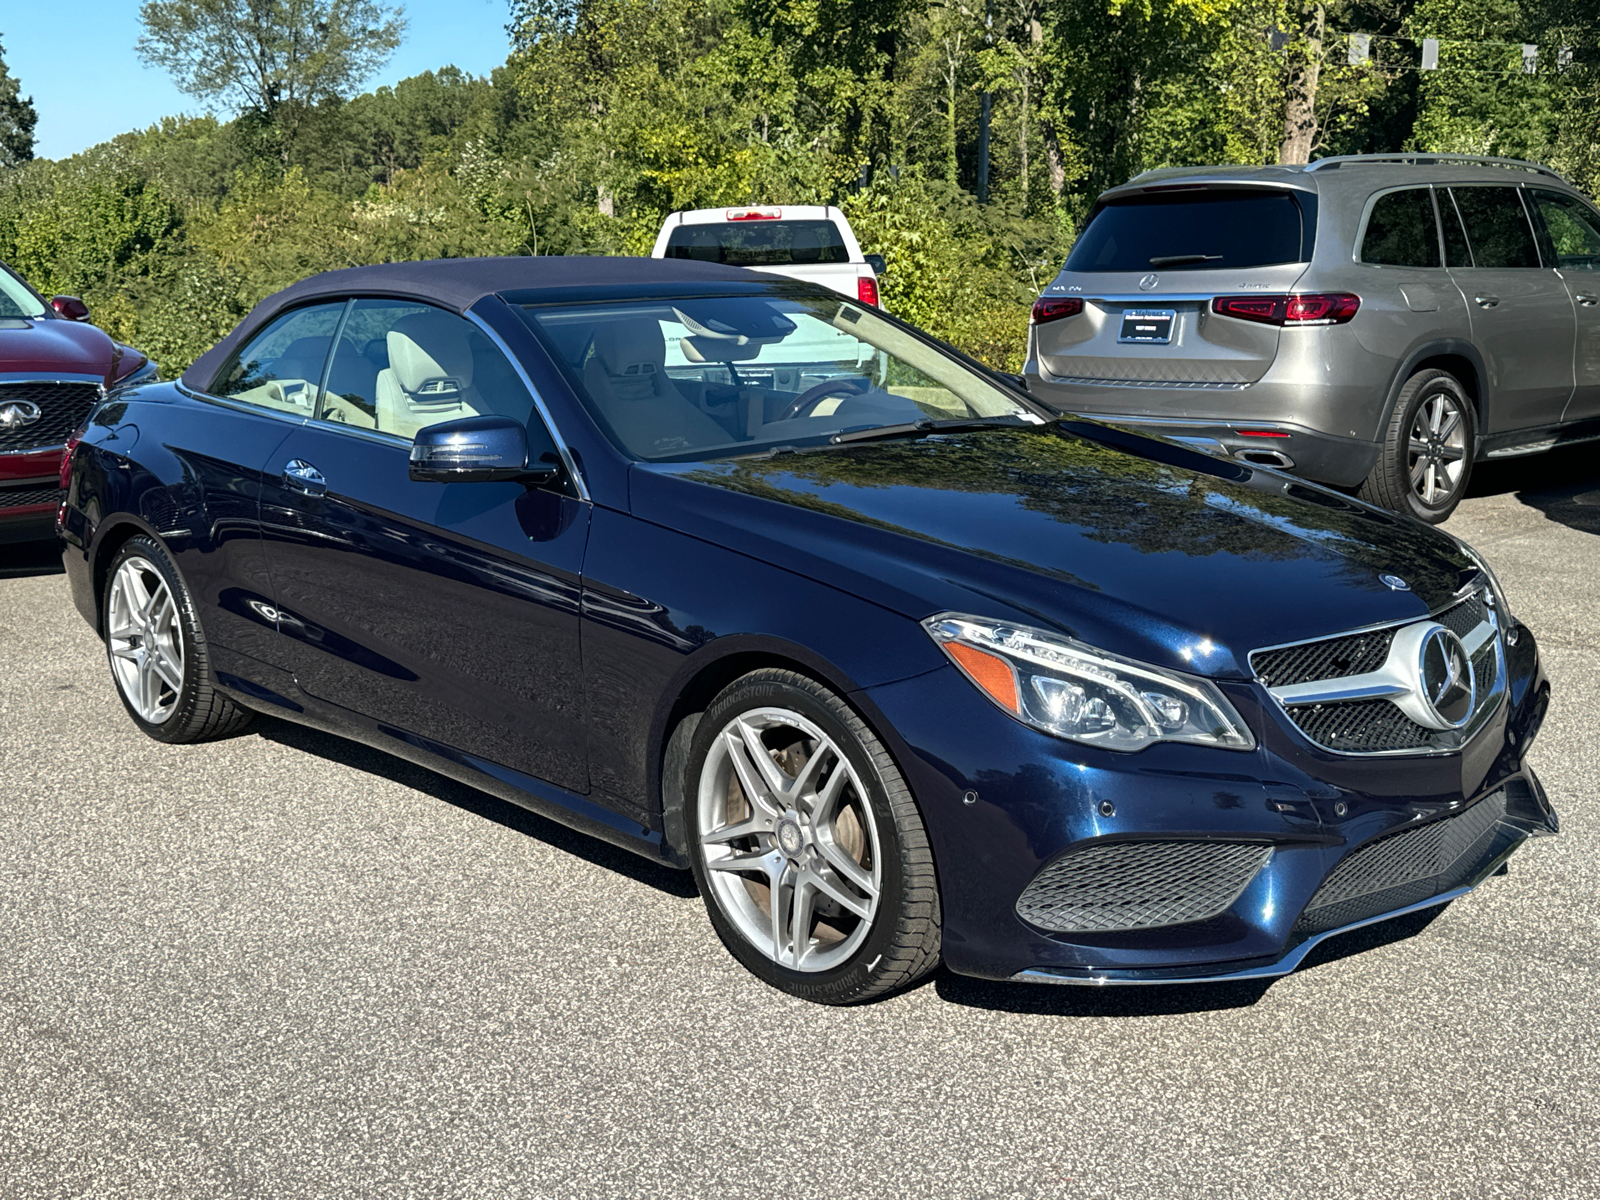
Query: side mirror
x=475 y=450
x=70 y=307
x=876 y=262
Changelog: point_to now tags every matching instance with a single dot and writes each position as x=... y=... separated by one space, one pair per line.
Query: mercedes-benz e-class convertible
x=754 y=579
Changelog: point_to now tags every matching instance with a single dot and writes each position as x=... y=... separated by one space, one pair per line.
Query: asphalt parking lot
x=288 y=966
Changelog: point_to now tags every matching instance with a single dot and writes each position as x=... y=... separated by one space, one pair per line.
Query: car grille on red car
x=1117 y=886
x=1407 y=867
x=62 y=408
x=23 y=497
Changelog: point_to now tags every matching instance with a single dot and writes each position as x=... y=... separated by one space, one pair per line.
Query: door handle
x=1588 y=300
x=301 y=476
x=1487 y=301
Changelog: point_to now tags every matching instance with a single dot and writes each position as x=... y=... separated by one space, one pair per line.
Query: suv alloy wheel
x=1425 y=462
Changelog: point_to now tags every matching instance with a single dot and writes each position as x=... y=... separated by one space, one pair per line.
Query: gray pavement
x=287 y=966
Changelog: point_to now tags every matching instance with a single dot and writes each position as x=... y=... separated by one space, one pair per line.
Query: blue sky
x=77 y=61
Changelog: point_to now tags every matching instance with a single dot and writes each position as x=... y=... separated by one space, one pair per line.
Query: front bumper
x=1003 y=804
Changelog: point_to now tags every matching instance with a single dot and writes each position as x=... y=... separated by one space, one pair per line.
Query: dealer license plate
x=1147 y=325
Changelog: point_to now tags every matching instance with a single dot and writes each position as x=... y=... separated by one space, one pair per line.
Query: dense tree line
x=609 y=113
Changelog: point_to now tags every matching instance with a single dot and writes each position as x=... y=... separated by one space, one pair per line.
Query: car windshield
x=763 y=243
x=1211 y=230
x=16 y=300
x=686 y=380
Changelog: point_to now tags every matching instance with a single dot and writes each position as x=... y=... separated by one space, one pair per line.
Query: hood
x=47 y=346
x=1140 y=547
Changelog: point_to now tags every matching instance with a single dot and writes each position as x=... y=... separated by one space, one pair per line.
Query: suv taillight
x=1309 y=308
x=1053 y=308
x=867 y=290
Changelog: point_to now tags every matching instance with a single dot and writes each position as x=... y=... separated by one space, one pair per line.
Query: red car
x=54 y=366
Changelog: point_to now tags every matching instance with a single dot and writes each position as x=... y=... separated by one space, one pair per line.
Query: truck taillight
x=1053 y=308
x=867 y=290
x=1308 y=308
x=753 y=214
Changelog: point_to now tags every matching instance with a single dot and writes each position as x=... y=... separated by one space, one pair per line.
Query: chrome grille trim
x=1366 y=699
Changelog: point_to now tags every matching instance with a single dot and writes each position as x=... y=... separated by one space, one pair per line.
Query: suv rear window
x=1497 y=226
x=1194 y=231
x=1401 y=231
x=760 y=243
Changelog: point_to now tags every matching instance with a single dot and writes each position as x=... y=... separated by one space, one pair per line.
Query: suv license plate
x=1147 y=325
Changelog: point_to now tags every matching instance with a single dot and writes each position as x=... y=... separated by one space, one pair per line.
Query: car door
x=1571 y=240
x=446 y=613
x=261 y=395
x=1522 y=320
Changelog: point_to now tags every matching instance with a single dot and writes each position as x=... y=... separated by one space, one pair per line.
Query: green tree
x=271 y=60
x=17 y=119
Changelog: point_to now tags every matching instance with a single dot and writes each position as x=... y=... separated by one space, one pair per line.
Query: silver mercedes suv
x=1378 y=322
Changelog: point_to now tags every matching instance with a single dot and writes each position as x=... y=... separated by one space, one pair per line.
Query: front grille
x=1376 y=726
x=26 y=496
x=1335 y=658
x=1119 y=886
x=1407 y=867
x=62 y=408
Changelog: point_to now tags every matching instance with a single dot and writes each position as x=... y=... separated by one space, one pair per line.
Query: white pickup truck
x=812 y=242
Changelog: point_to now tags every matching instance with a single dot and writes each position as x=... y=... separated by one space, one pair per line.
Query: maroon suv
x=54 y=365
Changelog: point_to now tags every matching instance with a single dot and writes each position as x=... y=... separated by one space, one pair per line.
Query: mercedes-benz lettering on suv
x=900 y=667
x=1378 y=322
x=54 y=366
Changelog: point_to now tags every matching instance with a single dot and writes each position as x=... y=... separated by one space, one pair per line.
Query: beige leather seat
x=626 y=376
x=429 y=376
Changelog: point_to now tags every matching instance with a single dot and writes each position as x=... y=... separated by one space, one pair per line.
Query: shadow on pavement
x=1563 y=484
x=1163 y=999
x=375 y=762
x=21 y=559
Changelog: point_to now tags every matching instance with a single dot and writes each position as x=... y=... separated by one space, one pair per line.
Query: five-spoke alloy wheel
x=157 y=650
x=806 y=843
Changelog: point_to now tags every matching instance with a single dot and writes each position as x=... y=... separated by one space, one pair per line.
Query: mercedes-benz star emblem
x=790 y=840
x=1448 y=686
x=1394 y=582
x=14 y=414
x=1148 y=282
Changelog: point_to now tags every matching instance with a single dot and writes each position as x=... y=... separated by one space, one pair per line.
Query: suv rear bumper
x=1342 y=462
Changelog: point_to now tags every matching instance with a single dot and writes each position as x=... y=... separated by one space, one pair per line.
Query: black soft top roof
x=459 y=283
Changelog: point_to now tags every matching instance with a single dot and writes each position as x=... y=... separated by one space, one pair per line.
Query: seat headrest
x=430 y=352
x=631 y=347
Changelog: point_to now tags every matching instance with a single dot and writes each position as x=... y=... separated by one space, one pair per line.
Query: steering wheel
x=852 y=385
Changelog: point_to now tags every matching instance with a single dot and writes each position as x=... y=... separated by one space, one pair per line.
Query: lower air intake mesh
x=26 y=496
x=1140 y=885
x=1405 y=868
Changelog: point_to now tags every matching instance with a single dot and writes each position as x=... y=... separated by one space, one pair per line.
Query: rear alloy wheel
x=1426 y=459
x=157 y=650
x=807 y=845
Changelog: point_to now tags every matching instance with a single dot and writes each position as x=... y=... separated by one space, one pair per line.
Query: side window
x=281 y=367
x=401 y=366
x=1401 y=231
x=1456 y=252
x=1574 y=230
x=1497 y=226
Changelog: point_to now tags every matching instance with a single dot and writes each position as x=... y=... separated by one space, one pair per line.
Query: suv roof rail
x=1470 y=160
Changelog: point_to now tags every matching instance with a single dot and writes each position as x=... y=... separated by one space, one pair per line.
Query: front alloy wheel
x=807 y=845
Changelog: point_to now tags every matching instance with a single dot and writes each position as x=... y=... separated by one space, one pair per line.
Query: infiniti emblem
x=1394 y=582
x=1148 y=282
x=14 y=414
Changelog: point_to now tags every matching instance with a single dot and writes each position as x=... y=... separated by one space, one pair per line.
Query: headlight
x=1495 y=590
x=1086 y=695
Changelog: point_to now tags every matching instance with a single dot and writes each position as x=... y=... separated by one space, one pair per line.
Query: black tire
x=900 y=943
x=1393 y=482
x=201 y=711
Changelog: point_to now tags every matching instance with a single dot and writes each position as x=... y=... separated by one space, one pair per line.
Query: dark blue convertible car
x=753 y=579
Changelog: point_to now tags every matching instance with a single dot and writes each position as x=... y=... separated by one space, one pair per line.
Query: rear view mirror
x=877 y=263
x=475 y=450
x=70 y=307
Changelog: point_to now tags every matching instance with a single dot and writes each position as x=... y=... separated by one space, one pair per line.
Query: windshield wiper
x=1179 y=260
x=924 y=427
